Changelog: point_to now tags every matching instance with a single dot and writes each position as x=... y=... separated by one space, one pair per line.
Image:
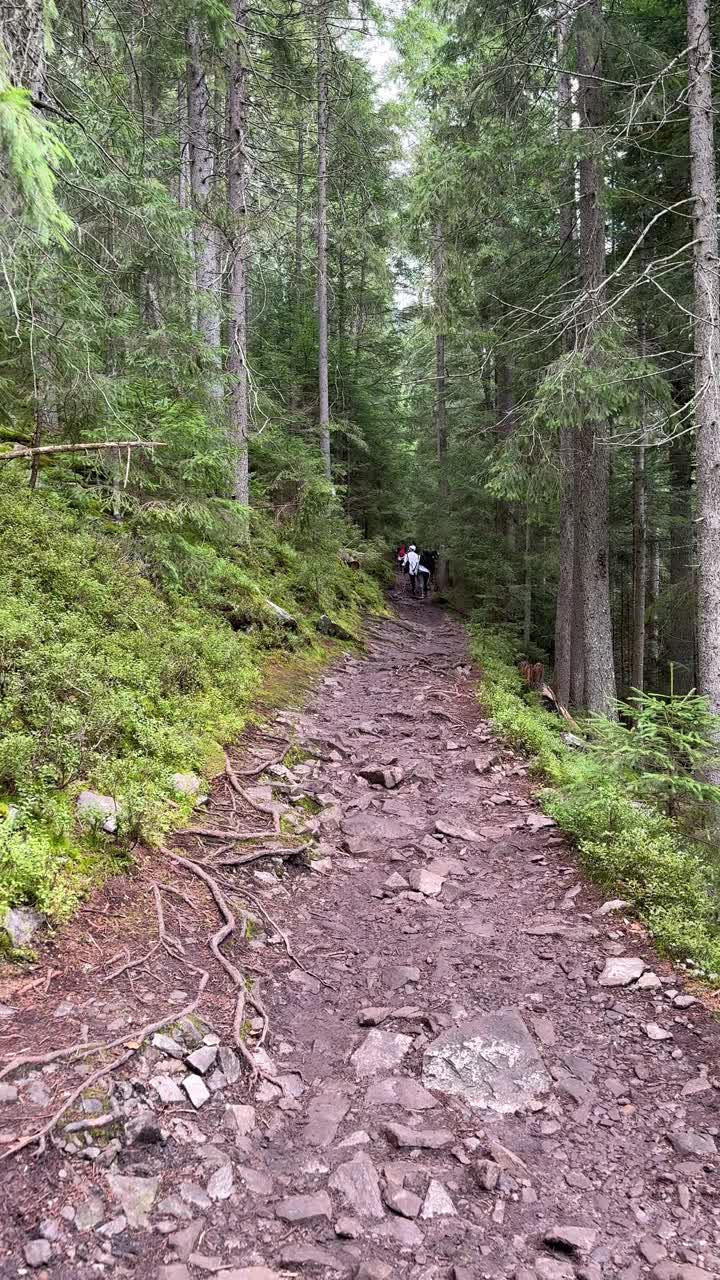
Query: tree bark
x=527 y=594
x=202 y=181
x=600 y=691
x=22 y=34
x=652 y=597
x=238 y=112
x=323 y=105
x=707 y=347
x=568 y=584
x=439 y=288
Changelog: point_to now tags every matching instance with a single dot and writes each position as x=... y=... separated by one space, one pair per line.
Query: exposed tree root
x=286 y=854
x=132 y=1044
x=217 y=833
x=237 y=978
x=233 y=779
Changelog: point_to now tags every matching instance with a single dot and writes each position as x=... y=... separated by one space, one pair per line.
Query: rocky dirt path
x=474 y=1067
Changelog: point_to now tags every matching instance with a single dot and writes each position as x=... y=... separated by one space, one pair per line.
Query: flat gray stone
x=90 y=1213
x=239 y=1118
x=491 y=1061
x=400 y=1091
x=456 y=831
x=229 y=1064
x=425 y=882
x=402 y=1135
x=202 y=1059
x=196 y=1090
x=136 y=1196
x=166 y=1089
x=357 y=1183
x=167 y=1045
x=37 y=1253
x=397 y=975
x=220 y=1186
x=402 y=1201
x=688 y=1142
x=325 y=1113
x=304 y=1208
x=437 y=1202
x=189 y=784
x=380 y=1051
x=620 y=971
x=8 y=1092
x=574 y=1239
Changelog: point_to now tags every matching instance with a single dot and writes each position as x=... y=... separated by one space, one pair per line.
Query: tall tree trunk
x=527 y=594
x=45 y=404
x=505 y=408
x=22 y=34
x=323 y=104
x=202 y=176
x=637 y=666
x=439 y=287
x=707 y=347
x=567 y=581
x=651 y=603
x=238 y=110
x=594 y=454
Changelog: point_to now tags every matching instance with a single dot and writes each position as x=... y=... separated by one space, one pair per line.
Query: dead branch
x=30 y=451
x=260 y=768
x=92 y=1122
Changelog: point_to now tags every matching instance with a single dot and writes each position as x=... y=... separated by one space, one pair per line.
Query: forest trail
x=445 y=937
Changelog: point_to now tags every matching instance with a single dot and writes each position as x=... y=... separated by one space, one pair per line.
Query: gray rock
x=220 y=1186
x=654 y=1031
x=425 y=882
x=325 y=1113
x=239 y=1118
x=281 y=615
x=167 y=1045
x=648 y=982
x=381 y=776
x=681 y=1271
x=189 y=784
x=615 y=904
x=184 y=1240
x=166 y=1089
x=437 y=1202
x=21 y=924
x=174 y=1271
x=256 y=1182
x=203 y=1059
x=192 y=1193
x=395 y=882
x=547 y=1268
x=50 y=1229
x=431 y=1139
x=348 y=1228
x=96 y=810
x=372 y=1270
x=37 y=1253
x=196 y=1090
x=446 y=827
x=308 y=1255
x=89 y=1213
x=135 y=1195
x=652 y=1250
x=406 y=1233
x=620 y=971
x=230 y=1064
x=357 y=1183
x=251 y=1273
x=114 y=1227
x=573 y=1239
x=491 y=1061
x=507 y=1159
x=688 y=1142
x=400 y=1091
x=402 y=1201
x=684 y=1001
x=8 y=1092
x=327 y=626
x=397 y=975
x=380 y=1051
x=304 y=1208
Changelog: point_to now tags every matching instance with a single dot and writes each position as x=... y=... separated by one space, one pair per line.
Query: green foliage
x=32 y=152
x=659 y=749
x=124 y=659
x=625 y=838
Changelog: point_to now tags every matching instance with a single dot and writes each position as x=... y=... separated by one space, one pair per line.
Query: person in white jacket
x=412 y=561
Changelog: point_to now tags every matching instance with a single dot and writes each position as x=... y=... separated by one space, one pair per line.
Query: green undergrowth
x=126 y=657
x=630 y=848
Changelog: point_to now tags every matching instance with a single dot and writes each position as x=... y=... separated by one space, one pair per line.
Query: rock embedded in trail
x=136 y=1197
x=37 y=1253
x=579 y=1240
x=423 y=881
x=304 y=1208
x=620 y=971
x=383 y=776
x=688 y=1142
x=401 y=1135
x=403 y=1202
x=456 y=831
x=196 y=1090
x=357 y=1184
x=400 y=1091
x=325 y=1113
x=491 y=1061
x=437 y=1202
x=379 y=1051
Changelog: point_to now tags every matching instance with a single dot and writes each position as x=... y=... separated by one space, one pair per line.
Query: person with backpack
x=411 y=564
x=426 y=570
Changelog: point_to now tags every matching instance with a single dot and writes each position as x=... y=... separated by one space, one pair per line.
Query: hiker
x=401 y=554
x=411 y=564
x=426 y=570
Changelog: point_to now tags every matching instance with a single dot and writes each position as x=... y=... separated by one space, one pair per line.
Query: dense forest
x=264 y=317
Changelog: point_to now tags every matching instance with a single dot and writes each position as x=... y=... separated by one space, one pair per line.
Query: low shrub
x=628 y=845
